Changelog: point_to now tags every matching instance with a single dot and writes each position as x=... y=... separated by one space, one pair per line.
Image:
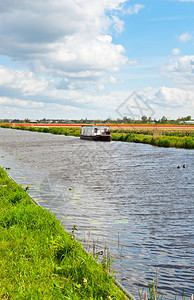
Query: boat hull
x=102 y=138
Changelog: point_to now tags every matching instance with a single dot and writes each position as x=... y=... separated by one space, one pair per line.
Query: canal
x=127 y=200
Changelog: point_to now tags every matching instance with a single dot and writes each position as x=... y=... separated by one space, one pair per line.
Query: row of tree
x=144 y=119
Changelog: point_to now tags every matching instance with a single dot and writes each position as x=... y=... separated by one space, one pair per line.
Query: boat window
x=95 y=130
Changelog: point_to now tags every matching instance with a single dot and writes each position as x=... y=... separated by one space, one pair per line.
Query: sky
x=96 y=59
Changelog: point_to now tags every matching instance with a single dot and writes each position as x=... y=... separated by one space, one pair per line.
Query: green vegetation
x=181 y=139
x=73 y=131
x=172 y=140
x=125 y=120
x=39 y=259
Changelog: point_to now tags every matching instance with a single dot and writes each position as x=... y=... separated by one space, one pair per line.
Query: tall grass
x=39 y=259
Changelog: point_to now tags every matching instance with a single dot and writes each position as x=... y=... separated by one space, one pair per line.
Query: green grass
x=166 y=139
x=39 y=259
x=161 y=141
x=71 y=131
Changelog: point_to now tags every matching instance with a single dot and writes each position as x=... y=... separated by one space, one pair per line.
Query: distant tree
x=119 y=121
x=130 y=120
x=163 y=120
x=188 y=118
x=109 y=121
x=144 y=119
x=125 y=120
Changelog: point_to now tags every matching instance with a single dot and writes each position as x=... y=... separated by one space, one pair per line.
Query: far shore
x=160 y=135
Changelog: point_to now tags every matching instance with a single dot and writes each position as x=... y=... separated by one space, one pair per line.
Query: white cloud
x=173 y=97
x=169 y=102
x=113 y=80
x=77 y=54
x=24 y=81
x=184 y=37
x=101 y=87
x=176 y=51
x=181 y=71
x=62 y=36
x=5 y=101
x=68 y=48
x=17 y=108
x=135 y=9
x=118 y=24
x=31 y=89
x=182 y=64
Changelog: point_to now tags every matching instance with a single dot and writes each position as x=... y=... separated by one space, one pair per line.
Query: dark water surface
x=129 y=197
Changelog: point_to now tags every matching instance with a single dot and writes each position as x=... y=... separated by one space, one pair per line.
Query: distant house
x=33 y=121
x=187 y=122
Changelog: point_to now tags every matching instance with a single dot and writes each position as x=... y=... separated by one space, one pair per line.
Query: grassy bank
x=39 y=259
x=178 y=137
x=69 y=131
x=166 y=140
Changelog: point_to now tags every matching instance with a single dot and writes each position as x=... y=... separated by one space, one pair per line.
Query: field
x=156 y=128
x=161 y=136
x=160 y=128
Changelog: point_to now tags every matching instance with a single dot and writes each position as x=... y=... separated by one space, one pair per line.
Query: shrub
x=164 y=142
x=189 y=143
x=46 y=130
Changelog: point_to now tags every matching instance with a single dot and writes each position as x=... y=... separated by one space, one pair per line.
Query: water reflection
x=129 y=196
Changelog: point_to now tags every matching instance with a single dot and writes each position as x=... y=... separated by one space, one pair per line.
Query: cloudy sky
x=86 y=58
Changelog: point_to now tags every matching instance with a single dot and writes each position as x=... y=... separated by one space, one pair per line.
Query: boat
x=95 y=133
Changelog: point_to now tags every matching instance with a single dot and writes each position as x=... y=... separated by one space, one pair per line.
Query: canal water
x=124 y=198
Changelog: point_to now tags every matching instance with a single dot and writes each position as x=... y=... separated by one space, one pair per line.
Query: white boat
x=95 y=133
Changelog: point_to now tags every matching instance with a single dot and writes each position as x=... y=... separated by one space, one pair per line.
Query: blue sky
x=76 y=59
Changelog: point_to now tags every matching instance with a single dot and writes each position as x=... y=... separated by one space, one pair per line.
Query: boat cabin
x=97 y=133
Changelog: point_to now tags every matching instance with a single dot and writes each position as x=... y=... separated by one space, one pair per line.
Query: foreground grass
x=39 y=259
x=176 y=139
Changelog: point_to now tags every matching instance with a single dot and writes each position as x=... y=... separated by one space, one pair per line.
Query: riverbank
x=175 y=140
x=177 y=137
x=39 y=259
